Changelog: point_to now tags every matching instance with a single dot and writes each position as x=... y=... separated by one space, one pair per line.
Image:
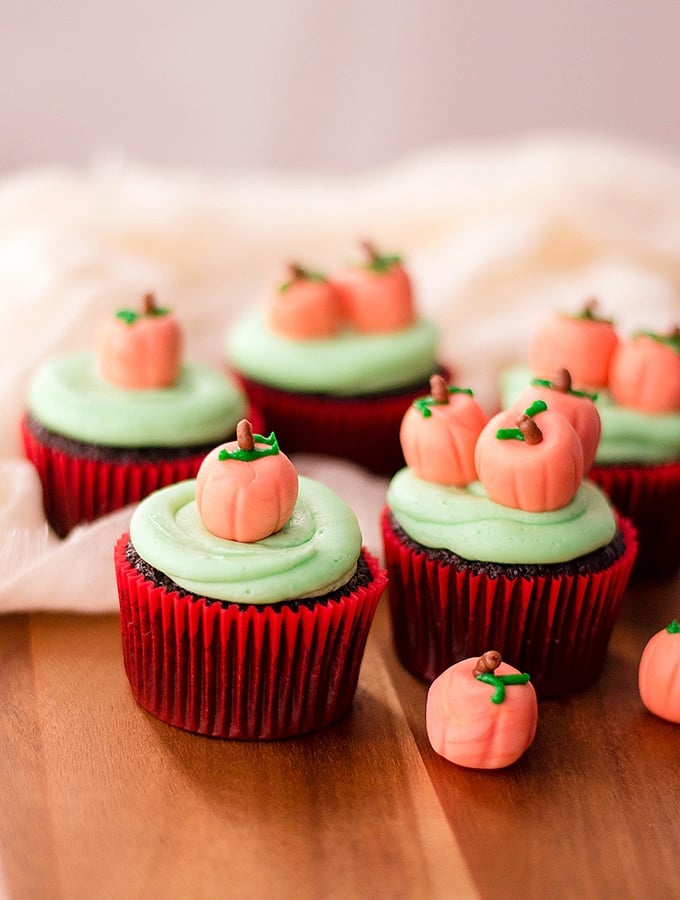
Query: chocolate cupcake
x=105 y=430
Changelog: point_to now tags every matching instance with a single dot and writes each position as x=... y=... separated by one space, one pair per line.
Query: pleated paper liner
x=554 y=627
x=236 y=671
x=650 y=496
x=80 y=489
x=364 y=430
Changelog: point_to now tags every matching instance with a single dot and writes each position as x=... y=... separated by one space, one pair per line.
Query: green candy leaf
x=256 y=453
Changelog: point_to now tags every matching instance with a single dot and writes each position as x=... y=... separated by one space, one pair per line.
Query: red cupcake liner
x=77 y=489
x=650 y=496
x=364 y=430
x=251 y=673
x=554 y=627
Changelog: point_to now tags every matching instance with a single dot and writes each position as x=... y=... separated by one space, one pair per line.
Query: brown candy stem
x=439 y=389
x=296 y=271
x=148 y=303
x=244 y=435
x=561 y=381
x=369 y=249
x=487 y=662
x=532 y=433
x=590 y=308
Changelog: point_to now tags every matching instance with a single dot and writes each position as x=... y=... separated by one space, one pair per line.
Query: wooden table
x=100 y=800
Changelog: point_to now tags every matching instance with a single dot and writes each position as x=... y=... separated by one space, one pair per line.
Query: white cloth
x=495 y=236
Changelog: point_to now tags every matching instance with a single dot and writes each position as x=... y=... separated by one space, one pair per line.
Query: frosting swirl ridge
x=315 y=553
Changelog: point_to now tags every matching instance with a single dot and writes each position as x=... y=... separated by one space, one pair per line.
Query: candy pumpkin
x=583 y=344
x=438 y=434
x=246 y=489
x=377 y=296
x=659 y=673
x=141 y=350
x=481 y=713
x=576 y=406
x=305 y=305
x=645 y=373
x=531 y=461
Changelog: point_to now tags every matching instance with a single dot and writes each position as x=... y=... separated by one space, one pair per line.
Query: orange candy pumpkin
x=481 y=713
x=305 y=306
x=645 y=373
x=659 y=673
x=583 y=344
x=537 y=465
x=438 y=434
x=378 y=296
x=576 y=406
x=141 y=350
x=246 y=489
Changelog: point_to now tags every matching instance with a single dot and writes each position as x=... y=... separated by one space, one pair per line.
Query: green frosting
x=347 y=364
x=628 y=436
x=69 y=396
x=315 y=553
x=466 y=522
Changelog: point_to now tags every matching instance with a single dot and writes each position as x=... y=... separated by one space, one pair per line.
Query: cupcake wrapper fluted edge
x=251 y=673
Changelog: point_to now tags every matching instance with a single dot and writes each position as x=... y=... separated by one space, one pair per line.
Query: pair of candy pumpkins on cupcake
x=494 y=539
x=333 y=361
x=637 y=380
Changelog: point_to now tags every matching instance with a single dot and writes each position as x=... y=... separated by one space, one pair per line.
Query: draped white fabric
x=496 y=235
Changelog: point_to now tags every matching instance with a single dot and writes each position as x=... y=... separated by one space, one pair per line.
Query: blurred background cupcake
x=104 y=430
x=333 y=361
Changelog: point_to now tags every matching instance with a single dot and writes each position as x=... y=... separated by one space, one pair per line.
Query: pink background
x=323 y=85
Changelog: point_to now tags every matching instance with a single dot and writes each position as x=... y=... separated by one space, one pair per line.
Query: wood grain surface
x=100 y=800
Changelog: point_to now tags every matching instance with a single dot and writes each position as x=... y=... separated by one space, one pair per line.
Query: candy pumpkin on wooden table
x=659 y=673
x=481 y=713
x=438 y=434
x=582 y=343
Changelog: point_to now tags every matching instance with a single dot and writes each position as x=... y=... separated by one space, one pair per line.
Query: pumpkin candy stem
x=562 y=381
x=487 y=662
x=531 y=432
x=149 y=307
x=439 y=389
x=485 y=669
x=244 y=435
x=296 y=272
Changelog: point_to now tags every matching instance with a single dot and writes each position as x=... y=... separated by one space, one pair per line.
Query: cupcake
x=333 y=362
x=106 y=429
x=246 y=597
x=527 y=558
x=638 y=398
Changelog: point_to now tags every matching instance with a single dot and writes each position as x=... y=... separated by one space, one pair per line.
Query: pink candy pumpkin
x=378 y=296
x=531 y=461
x=438 y=434
x=246 y=489
x=645 y=373
x=576 y=406
x=659 y=673
x=141 y=350
x=583 y=344
x=305 y=306
x=481 y=713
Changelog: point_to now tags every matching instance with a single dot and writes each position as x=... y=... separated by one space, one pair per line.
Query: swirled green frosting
x=69 y=396
x=466 y=522
x=347 y=364
x=313 y=554
x=628 y=436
